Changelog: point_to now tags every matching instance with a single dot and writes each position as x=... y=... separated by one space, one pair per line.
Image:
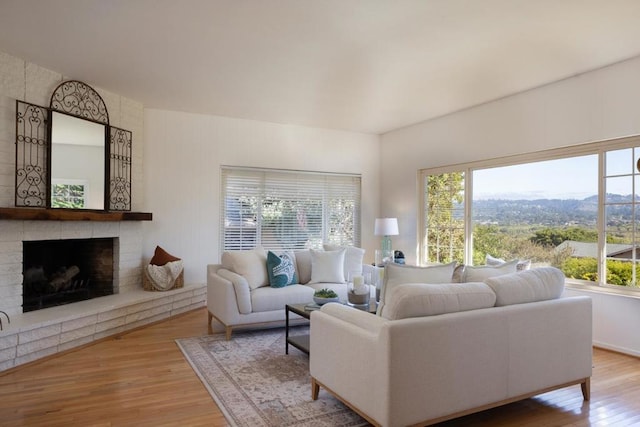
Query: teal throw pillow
x=281 y=269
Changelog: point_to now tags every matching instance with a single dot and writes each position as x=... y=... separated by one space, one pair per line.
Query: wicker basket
x=147 y=284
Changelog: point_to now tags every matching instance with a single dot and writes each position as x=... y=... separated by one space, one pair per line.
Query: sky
x=571 y=178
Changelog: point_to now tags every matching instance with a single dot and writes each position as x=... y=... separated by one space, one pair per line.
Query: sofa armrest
x=348 y=355
x=241 y=289
x=221 y=296
x=360 y=318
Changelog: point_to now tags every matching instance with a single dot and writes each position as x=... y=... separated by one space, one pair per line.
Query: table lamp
x=386 y=227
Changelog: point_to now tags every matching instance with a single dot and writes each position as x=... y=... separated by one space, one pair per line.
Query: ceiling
x=360 y=65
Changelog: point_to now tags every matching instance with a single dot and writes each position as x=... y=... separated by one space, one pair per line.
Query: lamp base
x=386 y=244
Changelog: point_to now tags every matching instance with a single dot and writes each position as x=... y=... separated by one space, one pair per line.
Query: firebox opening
x=57 y=272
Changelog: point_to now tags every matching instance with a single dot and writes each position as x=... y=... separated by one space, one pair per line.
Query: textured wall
x=31 y=83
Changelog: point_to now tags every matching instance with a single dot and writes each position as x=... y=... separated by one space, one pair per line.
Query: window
x=574 y=208
x=279 y=209
x=69 y=193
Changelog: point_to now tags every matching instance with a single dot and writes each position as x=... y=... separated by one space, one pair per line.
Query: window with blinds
x=280 y=210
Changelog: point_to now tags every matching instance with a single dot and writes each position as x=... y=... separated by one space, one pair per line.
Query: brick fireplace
x=36 y=334
x=40 y=333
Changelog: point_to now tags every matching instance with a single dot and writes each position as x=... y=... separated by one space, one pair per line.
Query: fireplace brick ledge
x=41 y=333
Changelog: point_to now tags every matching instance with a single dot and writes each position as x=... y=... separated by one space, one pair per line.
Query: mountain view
x=550 y=212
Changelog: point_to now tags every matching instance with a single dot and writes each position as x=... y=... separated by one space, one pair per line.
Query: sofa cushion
x=420 y=299
x=353 y=258
x=396 y=274
x=481 y=272
x=270 y=299
x=303 y=265
x=252 y=265
x=281 y=269
x=327 y=266
x=538 y=284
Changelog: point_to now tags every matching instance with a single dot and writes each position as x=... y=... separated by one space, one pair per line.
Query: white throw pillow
x=523 y=264
x=252 y=265
x=482 y=272
x=327 y=266
x=538 y=284
x=422 y=299
x=396 y=274
x=353 y=258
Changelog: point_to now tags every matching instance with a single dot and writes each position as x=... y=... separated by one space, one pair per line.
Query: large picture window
x=574 y=208
x=279 y=209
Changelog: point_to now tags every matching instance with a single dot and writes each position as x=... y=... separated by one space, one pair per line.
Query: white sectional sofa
x=440 y=351
x=239 y=292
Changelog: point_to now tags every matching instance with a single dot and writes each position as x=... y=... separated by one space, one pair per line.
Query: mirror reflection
x=77 y=163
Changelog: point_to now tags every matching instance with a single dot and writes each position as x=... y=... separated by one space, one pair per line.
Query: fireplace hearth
x=57 y=272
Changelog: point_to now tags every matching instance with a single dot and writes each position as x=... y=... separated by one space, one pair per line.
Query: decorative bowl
x=322 y=301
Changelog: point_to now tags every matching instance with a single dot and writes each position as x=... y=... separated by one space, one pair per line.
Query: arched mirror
x=67 y=155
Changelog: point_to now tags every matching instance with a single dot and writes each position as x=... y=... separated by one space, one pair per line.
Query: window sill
x=607 y=290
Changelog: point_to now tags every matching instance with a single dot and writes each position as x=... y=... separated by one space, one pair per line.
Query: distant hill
x=550 y=212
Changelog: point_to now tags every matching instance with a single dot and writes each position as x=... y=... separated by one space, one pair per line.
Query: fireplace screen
x=60 y=272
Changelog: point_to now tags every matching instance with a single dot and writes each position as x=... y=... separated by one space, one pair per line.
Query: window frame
x=598 y=148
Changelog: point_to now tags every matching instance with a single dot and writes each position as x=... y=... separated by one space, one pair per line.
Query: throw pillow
x=458 y=274
x=482 y=272
x=397 y=274
x=353 y=258
x=252 y=265
x=327 y=266
x=161 y=257
x=523 y=264
x=490 y=260
x=281 y=269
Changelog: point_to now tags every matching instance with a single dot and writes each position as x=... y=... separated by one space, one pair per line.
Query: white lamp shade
x=386 y=227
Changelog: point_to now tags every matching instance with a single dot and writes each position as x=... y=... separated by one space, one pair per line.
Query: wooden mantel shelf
x=43 y=214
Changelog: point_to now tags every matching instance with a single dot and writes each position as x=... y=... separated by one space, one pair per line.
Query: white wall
x=594 y=106
x=183 y=155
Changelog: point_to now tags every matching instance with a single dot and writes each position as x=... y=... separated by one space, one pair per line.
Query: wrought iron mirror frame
x=33 y=147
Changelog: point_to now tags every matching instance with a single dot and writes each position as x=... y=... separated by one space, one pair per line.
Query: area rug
x=255 y=383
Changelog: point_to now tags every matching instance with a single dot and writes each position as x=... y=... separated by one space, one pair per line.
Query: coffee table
x=301 y=342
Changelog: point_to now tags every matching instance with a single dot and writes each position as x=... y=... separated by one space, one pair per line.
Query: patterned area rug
x=256 y=384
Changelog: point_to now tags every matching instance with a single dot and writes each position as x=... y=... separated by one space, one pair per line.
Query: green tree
x=67 y=196
x=508 y=243
x=444 y=217
x=555 y=236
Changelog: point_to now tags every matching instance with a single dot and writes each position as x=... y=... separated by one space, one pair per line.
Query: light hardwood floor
x=141 y=379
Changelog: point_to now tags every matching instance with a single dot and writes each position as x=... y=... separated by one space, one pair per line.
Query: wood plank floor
x=141 y=379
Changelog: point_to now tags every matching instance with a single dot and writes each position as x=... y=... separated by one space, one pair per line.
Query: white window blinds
x=279 y=209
